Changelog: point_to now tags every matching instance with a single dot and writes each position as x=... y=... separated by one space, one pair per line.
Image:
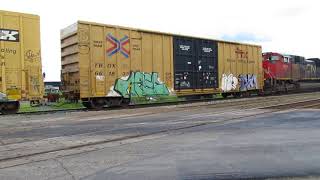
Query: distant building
x=54 y=84
x=52 y=90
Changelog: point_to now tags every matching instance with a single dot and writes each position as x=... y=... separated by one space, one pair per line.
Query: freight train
x=112 y=65
x=106 y=65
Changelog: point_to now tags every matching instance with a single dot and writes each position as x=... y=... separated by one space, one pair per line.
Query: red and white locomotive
x=283 y=72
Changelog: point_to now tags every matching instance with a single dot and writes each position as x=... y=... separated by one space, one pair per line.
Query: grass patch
x=25 y=107
x=61 y=105
x=66 y=105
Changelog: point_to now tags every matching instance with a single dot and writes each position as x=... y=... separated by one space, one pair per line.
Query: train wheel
x=237 y=95
x=286 y=89
x=261 y=93
x=125 y=102
x=97 y=104
x=10 y=107
x=224 y=95
x=246 y=94
x=114 y=102
x=94 y=104
x=87 y=104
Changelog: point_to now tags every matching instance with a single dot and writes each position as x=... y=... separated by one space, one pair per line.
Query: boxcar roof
x=158 y=32
x=11 y=13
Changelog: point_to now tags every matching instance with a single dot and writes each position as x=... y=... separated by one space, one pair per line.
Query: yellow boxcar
x=20 y=72
x=103 y=61
x=109 y=65
x=240 y=67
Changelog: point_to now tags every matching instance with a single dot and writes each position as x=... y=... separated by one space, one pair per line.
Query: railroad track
x=299 y=104
x=218 y=106
x=24 y=158
x=314 y=89
x=242 y=103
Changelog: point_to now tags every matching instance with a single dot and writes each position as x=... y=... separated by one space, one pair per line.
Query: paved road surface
x=265 y=145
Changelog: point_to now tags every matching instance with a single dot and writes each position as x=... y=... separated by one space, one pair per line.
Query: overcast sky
x=288 y=26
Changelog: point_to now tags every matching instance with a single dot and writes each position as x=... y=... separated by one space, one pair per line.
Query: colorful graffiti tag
x=229 y=82
x=118 y=45
x=140 y=84
x=248 y=82
x=244 y=82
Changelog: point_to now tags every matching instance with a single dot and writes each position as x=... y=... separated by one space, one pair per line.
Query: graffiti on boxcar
x=229 y=82
x=183 y=80
x=244 y=81
x=35 y=84
x=248 y=82
x=139 y=84
x=168 y=77
x=84 y=45
x=84 y=48
x=118 y=45
x=83 y=35
x=31 y=55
